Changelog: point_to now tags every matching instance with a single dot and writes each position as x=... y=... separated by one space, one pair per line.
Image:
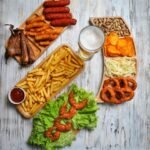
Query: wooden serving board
x=74 y=55
x=37 y=49
x=96 y=21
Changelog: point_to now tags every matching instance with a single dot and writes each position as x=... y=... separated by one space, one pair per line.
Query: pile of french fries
x=42 y=32
x=47 y=79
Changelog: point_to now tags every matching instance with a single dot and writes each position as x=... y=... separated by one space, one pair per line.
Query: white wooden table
x=122 y=127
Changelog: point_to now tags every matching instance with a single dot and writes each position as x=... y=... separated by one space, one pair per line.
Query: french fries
x=44 y=81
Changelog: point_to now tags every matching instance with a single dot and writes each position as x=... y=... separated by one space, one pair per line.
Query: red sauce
x=17 y=95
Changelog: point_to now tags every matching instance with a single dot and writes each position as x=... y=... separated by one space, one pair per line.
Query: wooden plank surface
x=122 y=127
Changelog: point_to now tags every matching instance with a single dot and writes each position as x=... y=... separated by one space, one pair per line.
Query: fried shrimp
x=67 y=115
x=64 y=114
x=62 y=127
x=52 y=133
x=63 y=109
x=79 y=105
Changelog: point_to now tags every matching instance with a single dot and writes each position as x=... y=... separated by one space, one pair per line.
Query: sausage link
x=56 y=3
x=56 y=10
x=63 y=22
x=57 y=16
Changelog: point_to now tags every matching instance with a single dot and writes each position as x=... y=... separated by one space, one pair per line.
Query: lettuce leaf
x=85 y=118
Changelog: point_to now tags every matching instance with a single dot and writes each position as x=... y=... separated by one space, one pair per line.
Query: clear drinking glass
x=91 y=40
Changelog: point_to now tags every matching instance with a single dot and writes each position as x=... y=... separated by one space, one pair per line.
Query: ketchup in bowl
x=16 y=95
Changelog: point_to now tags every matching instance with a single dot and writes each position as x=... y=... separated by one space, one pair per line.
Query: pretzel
x=131 y=83
x=122 y=82
x=112 y=82
x=115 y=96
x=118 y=90
x=128 y=94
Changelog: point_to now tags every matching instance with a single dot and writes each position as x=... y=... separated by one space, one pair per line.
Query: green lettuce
x=85 y=118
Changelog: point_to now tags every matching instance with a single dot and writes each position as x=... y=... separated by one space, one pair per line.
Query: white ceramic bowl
x=10 y=99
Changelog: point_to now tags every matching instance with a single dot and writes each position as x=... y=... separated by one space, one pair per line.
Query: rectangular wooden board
x=74 y=55
x=37 y=49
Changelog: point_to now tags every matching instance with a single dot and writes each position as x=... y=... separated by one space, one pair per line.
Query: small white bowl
x=10 y=99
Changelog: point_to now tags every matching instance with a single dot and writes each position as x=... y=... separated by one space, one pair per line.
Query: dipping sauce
x=17 y=95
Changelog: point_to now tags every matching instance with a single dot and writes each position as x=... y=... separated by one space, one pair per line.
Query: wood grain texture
x=122 y=127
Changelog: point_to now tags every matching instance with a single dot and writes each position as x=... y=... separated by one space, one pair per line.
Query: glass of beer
x=91 y=40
